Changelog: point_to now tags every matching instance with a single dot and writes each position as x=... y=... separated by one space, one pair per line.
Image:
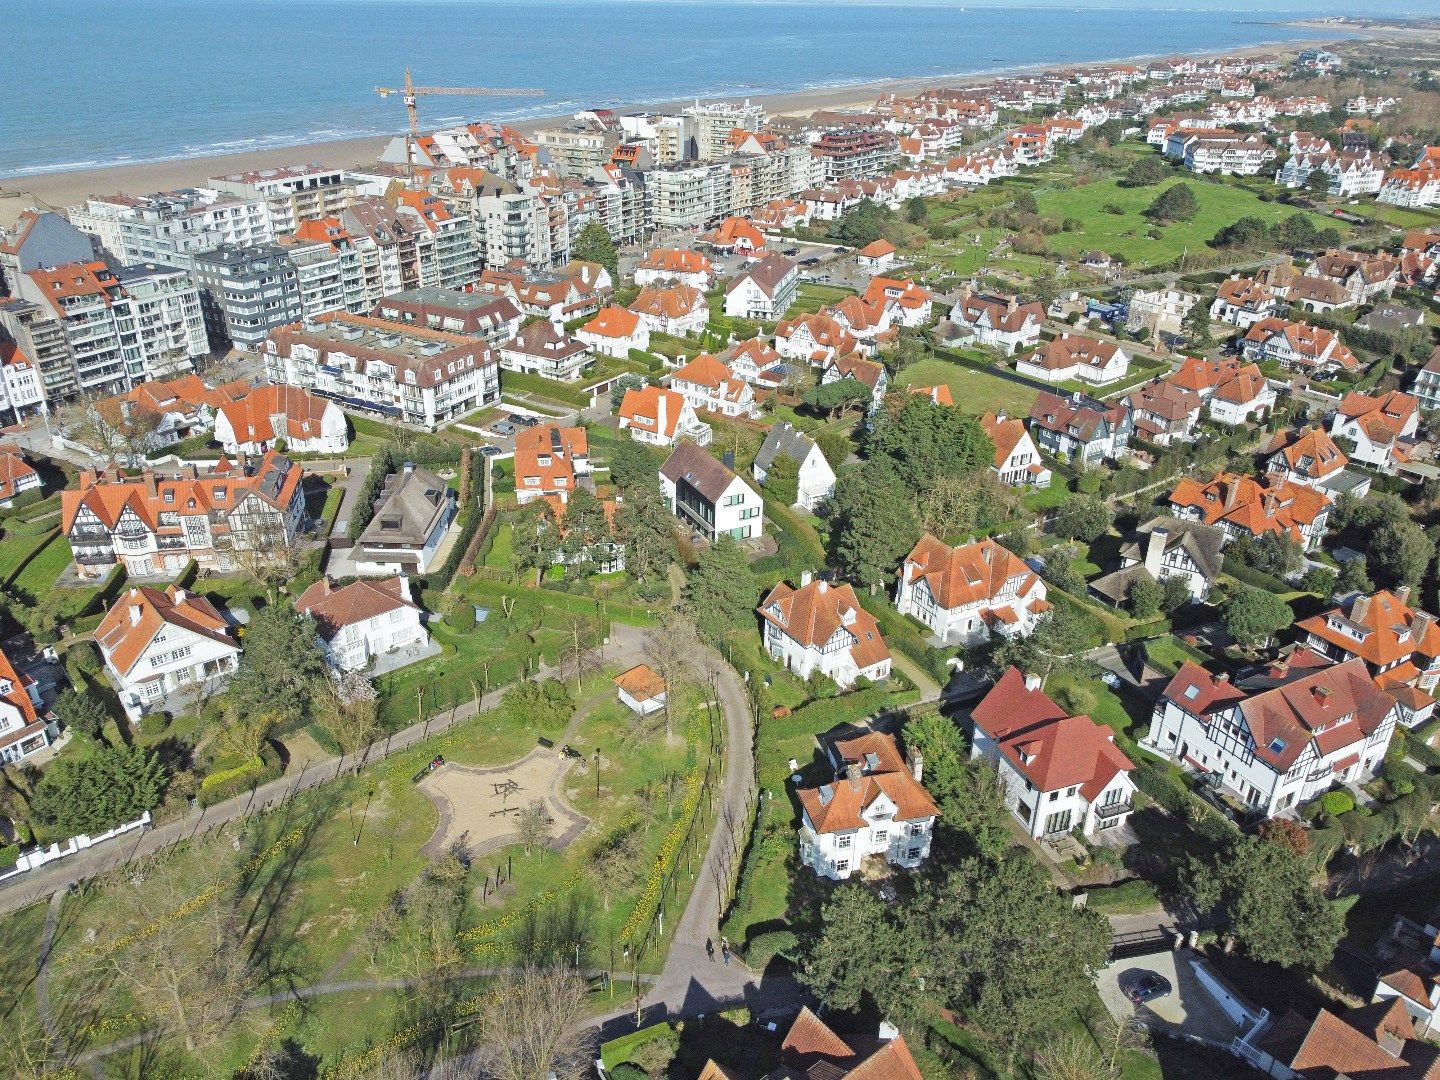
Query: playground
x=480 y=808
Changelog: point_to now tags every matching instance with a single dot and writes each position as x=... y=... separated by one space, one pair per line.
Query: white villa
x=815 y=479
x=156 y=642
x=822 y=627
x=965 y=593
x=1061 y=773
x=876 y=805
x=362 y=621
x=23 y=730
x=1281 y=738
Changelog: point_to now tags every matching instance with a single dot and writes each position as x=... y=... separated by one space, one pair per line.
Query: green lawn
x=811 y=297
x=1128 y=234
x=973 y=391
x=14 y=550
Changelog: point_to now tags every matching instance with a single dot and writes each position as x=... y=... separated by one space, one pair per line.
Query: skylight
x=1277 y=746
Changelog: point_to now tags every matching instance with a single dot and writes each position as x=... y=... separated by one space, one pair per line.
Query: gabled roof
x=1380 y=628
x=812 y=615
x=1044 y=744
x=1004 y=433
x=642 y=682
x=1375 y=1042
x=16 y=694
x=782 y=440
x=701 y=470
x=868 y=373
x=667 y=301
x=535 y=455
x=13 y=470
x=613 y=322
x=967 y=574
x=1079 y=419
x=675 y=261
x=1310 y=453
x=334 y=609
x=1270 y=504
x=411 y=504
x=767 y=274
x=877 y=249
x=130 y=626
x=1383 y=417
x=276 y=411
x=874 y=771
x=1005 y=314
x=1201 y=542
x=705 y=370
x=641 y=409
x=1069 y=349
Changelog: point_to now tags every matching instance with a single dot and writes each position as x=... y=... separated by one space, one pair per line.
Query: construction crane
x=411 y=92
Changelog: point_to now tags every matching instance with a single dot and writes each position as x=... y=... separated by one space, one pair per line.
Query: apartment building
x=714 y=121
x=494 y=318
x=399 y=371
x=38 y=332
x=40 y=239
x=292 y=193
x=689 y=194
x=856 y=153
x=22 y=386
x=246 y=292
x=124 y=326
x=173 y=227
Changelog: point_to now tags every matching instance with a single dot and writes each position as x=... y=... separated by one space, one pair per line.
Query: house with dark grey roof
x=763 y=291
x=815 y=481
x=1165 y=548
x=707 y=496
x=1079 y=426
x=411 y=516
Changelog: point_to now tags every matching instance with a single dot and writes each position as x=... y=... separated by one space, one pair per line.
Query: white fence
x=41 y=856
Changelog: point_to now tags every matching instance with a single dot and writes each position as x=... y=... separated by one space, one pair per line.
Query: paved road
x=626 y=643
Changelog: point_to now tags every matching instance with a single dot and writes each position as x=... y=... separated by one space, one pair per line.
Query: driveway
x=1189 y=1008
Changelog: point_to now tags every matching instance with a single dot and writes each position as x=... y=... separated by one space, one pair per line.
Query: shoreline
x=67 y=187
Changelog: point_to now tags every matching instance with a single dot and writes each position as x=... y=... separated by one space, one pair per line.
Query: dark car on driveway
x=1146 y=986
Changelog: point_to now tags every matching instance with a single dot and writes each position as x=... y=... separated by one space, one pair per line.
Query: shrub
x=227 y=783
x=764 y=947
x=1335 y=803
x=10 y=852
x=627 y=1071
x=152 y=726
x=461 y=616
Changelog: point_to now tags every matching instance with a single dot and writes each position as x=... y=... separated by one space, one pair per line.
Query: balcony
x=1113 y=810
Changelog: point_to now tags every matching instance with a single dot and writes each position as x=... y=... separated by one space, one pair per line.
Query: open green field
x=1128 y=234
x=973 y=391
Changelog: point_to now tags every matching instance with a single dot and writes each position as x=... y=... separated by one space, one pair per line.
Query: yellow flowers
x=649 y=902
x=510 y=918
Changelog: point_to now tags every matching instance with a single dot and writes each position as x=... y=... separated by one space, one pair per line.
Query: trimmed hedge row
x=227 y=783
x=1248 y=575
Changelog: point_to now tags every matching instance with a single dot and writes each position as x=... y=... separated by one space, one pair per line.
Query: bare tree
x=352 y=710
x=617 y=866
x=531 y=1024
x=532 y=825
x=670 y=648
x=577 y=654
x=195 y=991
x=270 y=554
x=118 y=431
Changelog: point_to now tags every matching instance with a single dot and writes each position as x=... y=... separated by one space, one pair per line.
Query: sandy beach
x=60 y=189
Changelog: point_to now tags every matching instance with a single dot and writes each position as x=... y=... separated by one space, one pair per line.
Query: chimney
x=1012 y=305
x=1402 y=593
x=1420 y=626
x=853 y=774
x=1232 y=492
x=1155 y=552
x=805 y=578
x=408 y=468
x=135 y=614
x=179 y=597
x=661 y=414
x=985 y=552
x=916 y=761
x=888 y=1032
x=1359 y=609
x=87 y=477
x=1032 y=682
x=1222 y=678
x=405 y=586
x=728 y=457
x=151 y=491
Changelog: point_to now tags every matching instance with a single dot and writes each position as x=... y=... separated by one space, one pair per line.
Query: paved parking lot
x=1188 y=1008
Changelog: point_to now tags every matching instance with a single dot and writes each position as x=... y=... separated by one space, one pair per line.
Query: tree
x=1248 y=232
x=1025 y=203
x=536 y=538
x=91 y=794
x=617 y=866
x=353 y=711
x=1252 y=616
x=782 y=480
x=1008 y=948
x=1175 y=203
x=1072 y=1057
x=874 y=523
x=1317 y=184
x=835 y=447
x=116 y=430
x=917 y=211
x=923 y=440
x=1057 y=644
x=1196 y=325
x=1265 y=890
x=1045 y=286
x=628 y=381
x=1411 y=345
x=634 y=465
x=860 y=951
x=720 y=592
x=671 y=647
x=270 y=555
x=1174 y=594
x=839 y=397
x=1084 y=518
x=1319 y=580
x=281 y=666
x=1146 y=172
x=532 y=825
x=863 y=225
x=644 y=524
x=83 y=712
x=1144 y=597
x=530 y=1022
x=594 y=244
x=1399 y=551
x=1353 y=576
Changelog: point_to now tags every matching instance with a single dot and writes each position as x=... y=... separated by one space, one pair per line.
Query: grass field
x=1134 y=238
x=973 y=391
x=313 y=883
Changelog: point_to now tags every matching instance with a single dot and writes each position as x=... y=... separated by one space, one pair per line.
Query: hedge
x=1125 y=898
x=227 y=783
x=540 y=386
x=9 y=855
x=761 y=949
x=472 y=512
x=1248 y=575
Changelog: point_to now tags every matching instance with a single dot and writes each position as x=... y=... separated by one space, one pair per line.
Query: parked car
x=490 y=450
x=1147 y=986
x=503 y=428
x=790 y=251
x=1110 y=679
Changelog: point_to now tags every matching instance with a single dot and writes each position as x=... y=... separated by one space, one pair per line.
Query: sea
x=94 y=84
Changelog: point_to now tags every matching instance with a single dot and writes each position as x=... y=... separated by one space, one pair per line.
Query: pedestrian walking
x=725 y=950
x=710 y=949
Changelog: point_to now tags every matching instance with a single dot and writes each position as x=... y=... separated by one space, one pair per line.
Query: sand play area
x=479 y=807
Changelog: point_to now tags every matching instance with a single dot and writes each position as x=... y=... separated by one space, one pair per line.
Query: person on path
x=725 y=950
x=710 y=949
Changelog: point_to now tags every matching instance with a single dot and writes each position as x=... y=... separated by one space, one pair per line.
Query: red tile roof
x=334 y=609
x=966 y=574
x=812 y=614
x=1256 y=506
x=130 y=626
